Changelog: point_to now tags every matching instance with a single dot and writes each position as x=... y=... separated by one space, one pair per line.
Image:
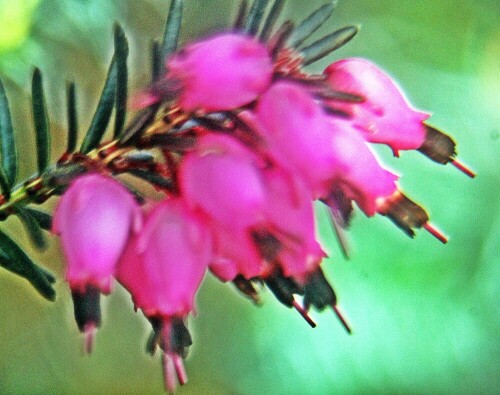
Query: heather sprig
x=241 y=140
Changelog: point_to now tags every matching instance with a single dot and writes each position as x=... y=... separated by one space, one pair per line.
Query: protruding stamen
x=89 y=335
x=341 y=318
x=179 y=368
x=169 y=373
x=464 y=169
x=435 y=232
x=304 y=314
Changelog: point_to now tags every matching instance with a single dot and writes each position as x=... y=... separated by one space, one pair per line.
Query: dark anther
x=405 y=213
x=246 y=288
x=283 y=287
x=438 y=146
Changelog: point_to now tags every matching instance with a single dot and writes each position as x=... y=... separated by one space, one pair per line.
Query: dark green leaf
x=4 y=184
x=44 y=219
x=172 y=29
x=41 y=121
x=14 y=259
x=61 y=176
x=103 y=112
x=278 y=40
x=33 y=228
x=156 y=61
x=121 y=54
x=271 y=19
x=312 y=23
x=7 y=143
x=328 y=44
x=72 y=117
x=152 y=178
x=255 y=16
x=241 y=15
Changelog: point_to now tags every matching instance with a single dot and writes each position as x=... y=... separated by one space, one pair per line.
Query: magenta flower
x=222 y=178
x=220 y=73
x=235 y=253
x=326 y=152
x=94 y=219
x=289 y=214
x=297 y=133
x=359 y=174
x=385 y=115
x=162 y=268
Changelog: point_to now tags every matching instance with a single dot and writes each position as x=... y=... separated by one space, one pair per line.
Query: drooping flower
x=162 y=268
x=326 y=152
x=289 y=218
x=385 y=115
x=222 y=179
x=221 y=73
x=94 y=219
x=296 y=132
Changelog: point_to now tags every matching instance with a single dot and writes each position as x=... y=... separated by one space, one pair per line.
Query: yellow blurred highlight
x=15 y=17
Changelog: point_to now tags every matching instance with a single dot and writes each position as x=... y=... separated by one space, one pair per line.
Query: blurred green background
x=425 y=316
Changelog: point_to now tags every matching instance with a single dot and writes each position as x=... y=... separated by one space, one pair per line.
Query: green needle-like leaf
x=156 y=62
x=255 y=16
x=103 y=112
x=328 y=44
x=7 y=144
x=44 y=219
x=172 y=29
x=14 y=259
x=4 y=184
x=271 y=19
x=41 y=121
x=33 y=228
x=72 y=117
x=239 y=21
x=312 y=23
x=121 y=54
x=152 y=178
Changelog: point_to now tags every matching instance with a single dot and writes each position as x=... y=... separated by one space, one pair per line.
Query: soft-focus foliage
x=425 y=317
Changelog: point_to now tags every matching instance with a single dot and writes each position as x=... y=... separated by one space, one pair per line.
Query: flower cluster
x=254 y=142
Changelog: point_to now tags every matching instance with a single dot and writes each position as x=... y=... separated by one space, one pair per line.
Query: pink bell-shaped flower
x=221 y=177
x=289 y=213
x=358 y=174
x=221 y=73
x=94 y=219
x=162 y=268
x=296 y=132
x=235 y=253
x=385 y=115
